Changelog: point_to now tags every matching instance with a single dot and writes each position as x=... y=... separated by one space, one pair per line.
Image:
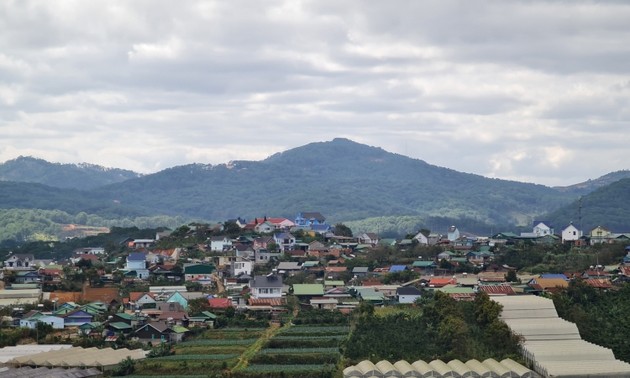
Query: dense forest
x=601 y=316
x=438 y=328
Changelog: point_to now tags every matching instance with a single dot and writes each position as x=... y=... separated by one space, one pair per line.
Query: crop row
x=195 y=357
x=298 y=350
x=217 y=342
x=256 y=368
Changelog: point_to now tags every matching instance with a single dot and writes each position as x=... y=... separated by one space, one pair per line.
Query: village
x=260 y=272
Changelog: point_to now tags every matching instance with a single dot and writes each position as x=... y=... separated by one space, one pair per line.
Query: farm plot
x=213 y=352
x=300 y=350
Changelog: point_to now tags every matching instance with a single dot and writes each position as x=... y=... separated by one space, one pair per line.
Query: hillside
x=592 y=185
x=342 y=179
x=608 y=206
x=70 y=176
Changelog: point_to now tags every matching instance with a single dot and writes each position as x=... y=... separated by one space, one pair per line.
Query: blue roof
x=136 y=256
x=554 y=275
x=320 y=227
x=397 y=268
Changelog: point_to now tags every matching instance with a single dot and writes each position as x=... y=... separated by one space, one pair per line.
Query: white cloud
x=534 y=91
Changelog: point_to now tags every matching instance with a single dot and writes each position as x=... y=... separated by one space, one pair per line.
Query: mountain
x=608 y=206
x=592 y=185
x=344 y=180
x=71 y=176
x=341 y=179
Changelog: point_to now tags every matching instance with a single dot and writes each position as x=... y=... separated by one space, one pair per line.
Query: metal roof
x=438 y=368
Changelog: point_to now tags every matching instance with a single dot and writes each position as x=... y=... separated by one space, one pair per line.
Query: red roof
x=497 y=289
x=599 y=283
x=220 y=302
x=336 y=269
x=624 y=270
x=442 y=281
x=275 y=302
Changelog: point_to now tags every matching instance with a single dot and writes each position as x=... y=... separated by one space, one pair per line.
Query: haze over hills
x=592 y=185
x=72 y=176
x=344 y=180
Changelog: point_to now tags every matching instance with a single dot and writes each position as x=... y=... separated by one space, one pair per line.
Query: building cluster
x=264 y=265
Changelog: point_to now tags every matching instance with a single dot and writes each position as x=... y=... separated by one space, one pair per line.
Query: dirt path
x=243 y=361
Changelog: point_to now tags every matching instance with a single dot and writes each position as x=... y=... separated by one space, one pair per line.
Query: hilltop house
x=370 y=238
x=540 y=229
x=309 y=219
x=571 y=233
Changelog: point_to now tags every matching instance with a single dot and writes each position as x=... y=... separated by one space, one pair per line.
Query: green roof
x=459 y=259
x=422 y=264
x=199 y=269
x=334 y=283
x=451 y=289
x=308 y=289
x=124 y=315
x=120 y=325
x=179 y=329
x=310 y=264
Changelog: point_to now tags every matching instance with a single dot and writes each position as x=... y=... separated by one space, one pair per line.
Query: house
x=308 y=219
x=306 y=292
x=241 y=266
x=201 y=273
x=452 y=234
x=370 y=238
x=202 y=319
x=263 y=256
x=421 y=238
x=599 y=235
x=55 y=322
x=540 y=228
x=269 y=286
x=264 y=228
x=27 y=277
x=334 y=272
x=20 y=261
x=220 y=303
x=571 y=234
x=220 y=243
x=77 y=317
x=141 y=243
x=136 y=262
x=360 y=271
x=289 y=267
x=285 y=241
x=160 y=332
x=262 y=242
x=408 y=294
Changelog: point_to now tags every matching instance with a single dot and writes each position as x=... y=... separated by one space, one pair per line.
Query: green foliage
x=607 y=206
x=341 y=229
x=441 y=328
x=601 y=316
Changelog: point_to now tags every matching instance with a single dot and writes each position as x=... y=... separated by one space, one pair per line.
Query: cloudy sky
x=535 y=91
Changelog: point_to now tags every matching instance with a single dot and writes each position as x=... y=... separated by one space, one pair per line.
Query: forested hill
x=592 y=185
x=342 y=179
x=608 y=206
x=71 y=176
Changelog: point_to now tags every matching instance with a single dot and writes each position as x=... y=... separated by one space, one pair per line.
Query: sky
x=533 y=91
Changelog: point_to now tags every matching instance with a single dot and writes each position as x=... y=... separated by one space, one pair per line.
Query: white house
x=220 y=243
x=54 y=321
x=571 y=233
x=408 y=294
x=285 y=241
x=421 y=238
x=368 y=238
x=20 y=261
x=269 y=286
x=453 y=233
x=540 y=228
x=241 y=266
x=136 y=261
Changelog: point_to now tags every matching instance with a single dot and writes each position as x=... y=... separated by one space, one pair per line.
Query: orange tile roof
x=336 y=268
x=265 y=302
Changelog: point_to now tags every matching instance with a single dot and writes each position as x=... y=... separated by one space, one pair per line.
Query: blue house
x=76 y=318
x=309 y=219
